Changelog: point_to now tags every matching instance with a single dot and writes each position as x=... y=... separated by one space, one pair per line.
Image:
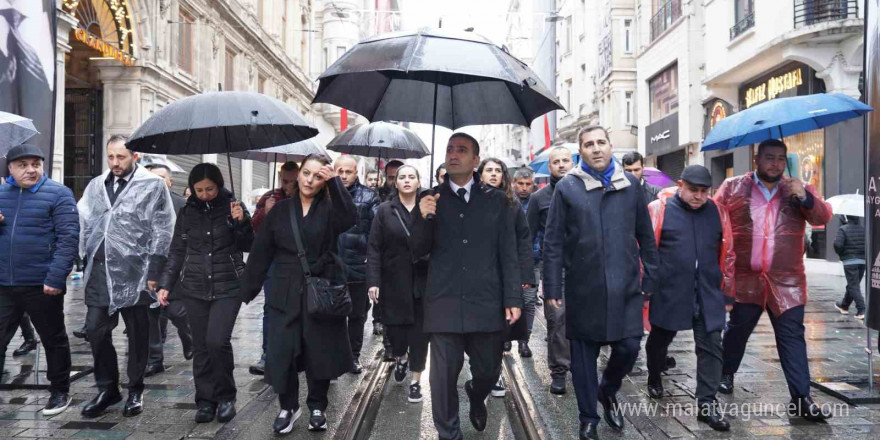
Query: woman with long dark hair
x=397 y=283
x=210 y=236
x=494 y=172
x=297 y=341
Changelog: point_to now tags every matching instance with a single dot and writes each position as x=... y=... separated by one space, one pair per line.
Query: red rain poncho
x=768 y=238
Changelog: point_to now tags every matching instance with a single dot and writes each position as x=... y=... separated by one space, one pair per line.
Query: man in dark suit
x=473 y=283
x=175 y=311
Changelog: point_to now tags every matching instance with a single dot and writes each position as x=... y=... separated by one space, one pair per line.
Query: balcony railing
x=667 y=14
x=743 y=25
x=808 y=12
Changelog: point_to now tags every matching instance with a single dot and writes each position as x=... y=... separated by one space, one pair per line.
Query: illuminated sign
x=106 y=49
x=716 y=113
x=773 y=87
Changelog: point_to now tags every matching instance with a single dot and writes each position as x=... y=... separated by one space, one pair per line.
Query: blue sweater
x=39 y=237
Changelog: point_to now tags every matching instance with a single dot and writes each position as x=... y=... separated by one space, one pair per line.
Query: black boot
x=25 y=348
x=806 y=408
x=134 y=405
x=589 y=431
x=708 y=414
x=612 y=410
x=655 y=387
x=726 y=385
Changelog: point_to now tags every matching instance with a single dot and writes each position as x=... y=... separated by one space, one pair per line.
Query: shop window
x=185 y=42
x=663 y=91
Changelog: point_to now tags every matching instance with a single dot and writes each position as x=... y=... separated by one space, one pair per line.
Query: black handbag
x=324 y=299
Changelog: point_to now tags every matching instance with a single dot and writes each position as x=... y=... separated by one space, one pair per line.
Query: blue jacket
x=39 y=237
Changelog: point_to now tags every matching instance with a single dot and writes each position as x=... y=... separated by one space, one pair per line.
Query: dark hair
x=437 y=171
x=461 y=135
x=153 y=166
x=204 y=171
x=631 y=158
x=523 y=173
x=588 y=129
x=289 y=166
x=393 y=163
x=117 y=138
x=317 y=157
x=771 y=143
x=418 y=176
x=506 y=186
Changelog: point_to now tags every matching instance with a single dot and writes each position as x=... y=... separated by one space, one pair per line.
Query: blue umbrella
x=540 y=164
x=779 y=118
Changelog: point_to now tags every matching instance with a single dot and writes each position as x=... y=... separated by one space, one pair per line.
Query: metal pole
x=869 y=251
x=229 y=161
x=433 y=131
x=274 y=172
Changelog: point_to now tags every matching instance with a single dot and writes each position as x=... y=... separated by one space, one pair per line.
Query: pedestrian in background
x=353 y=251
x=387 y=190
x=175 y=310
x=849 y=243
x=558 y=346
x=398 y=280
x=321 y=209
x=634 y=163
x=598 y=222
x=372 y=179
x=495 y=173
x=524 y=187
x=695 y=245
x=473 y=288
x=211 y=234
x=768 y=212
x=127 y=219
x=440 y=174
x=39 y=238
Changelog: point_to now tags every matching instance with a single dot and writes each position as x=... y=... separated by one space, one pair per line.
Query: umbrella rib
x=518 y=105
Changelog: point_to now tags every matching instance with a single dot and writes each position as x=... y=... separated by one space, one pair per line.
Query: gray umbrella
x=221 y=122
x=14 y=130
x=380 y=140
x=453 y=79
x=295 y=152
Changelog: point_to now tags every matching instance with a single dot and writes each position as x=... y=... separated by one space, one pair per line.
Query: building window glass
x=663 y=91
x=185 y=43
x=229 y=81
x=628 y=104
x=627 y=36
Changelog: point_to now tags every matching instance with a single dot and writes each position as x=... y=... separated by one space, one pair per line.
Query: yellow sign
x=106 y=49
x=773 y=87
x=718 y=113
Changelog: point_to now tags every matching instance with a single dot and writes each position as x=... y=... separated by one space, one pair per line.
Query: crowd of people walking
x=452 y=272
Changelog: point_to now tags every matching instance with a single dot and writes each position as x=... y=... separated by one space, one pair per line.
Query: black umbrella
x=379 y=140
x=453 y=79
x=291 y=152
x=221 y=122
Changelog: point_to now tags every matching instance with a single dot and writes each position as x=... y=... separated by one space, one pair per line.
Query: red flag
x=343 y=120
x=546 y=132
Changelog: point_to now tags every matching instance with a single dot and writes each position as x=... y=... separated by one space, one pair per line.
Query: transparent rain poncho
x=768 y=238
x=135 y=231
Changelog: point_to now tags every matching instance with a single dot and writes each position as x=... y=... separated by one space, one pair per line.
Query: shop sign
x=106 y=49
x=774 y=86
x=661 y=137
x=792 y=79
x=716 y=110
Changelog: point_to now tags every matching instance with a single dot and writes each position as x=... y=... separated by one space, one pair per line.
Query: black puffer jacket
x=850 y=242
x=353 y=243
x=206 y=251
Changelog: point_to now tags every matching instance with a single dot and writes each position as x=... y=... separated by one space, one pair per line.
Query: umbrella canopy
x=149 y=159
x=540 y=164
x=779 y=118
x=657 y=178
x=14 y=130
x=848 y=204
x=440 y=77
x=381 y=140
x=220 y=122
x=295 y=152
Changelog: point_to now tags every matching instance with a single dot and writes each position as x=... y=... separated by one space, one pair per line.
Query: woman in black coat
x=494 y=172
x=210 y=235
x=298 y=341
x=397 y=282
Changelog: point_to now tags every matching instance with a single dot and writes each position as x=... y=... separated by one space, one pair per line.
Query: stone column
x=65 y=23
x=122 y=109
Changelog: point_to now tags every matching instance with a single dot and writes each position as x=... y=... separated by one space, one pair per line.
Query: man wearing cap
x=694 y=240
x=39 y=237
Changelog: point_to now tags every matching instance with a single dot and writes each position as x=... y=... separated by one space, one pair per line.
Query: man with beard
x=768 y=214
x=388 y=190
x=372 y=179
x=524 y=186
x=558 y=347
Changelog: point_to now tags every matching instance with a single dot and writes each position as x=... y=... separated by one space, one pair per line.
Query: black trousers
x=411 y=338
x=790 y=343
x=27 y=329
x=584 y=372
x=47 y=315
x=159 y=317
x=709 y=361
x=99 y=327
x=358 y=317
x=854 y=275
x=211 y=323
x=484 y=352
x=316 y=398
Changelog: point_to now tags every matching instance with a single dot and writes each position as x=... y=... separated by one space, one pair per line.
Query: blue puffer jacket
x=39 y=236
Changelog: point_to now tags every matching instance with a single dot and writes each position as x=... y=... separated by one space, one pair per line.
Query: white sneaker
x=498 y=389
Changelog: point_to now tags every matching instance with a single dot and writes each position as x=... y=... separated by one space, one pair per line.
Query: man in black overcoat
x=474 y=286
x=597 y=226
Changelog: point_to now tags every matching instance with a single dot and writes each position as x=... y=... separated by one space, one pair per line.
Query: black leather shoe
x=507 y=346
x=589 y=431
x=81 y=333
x=612 y=410
x=259 y=368
x=478 y=411
x=557 y=385
x=188 y=354
x=708 y=414
x=134 y=405
x=726 y=385
x=226 y=411
x=154 y=369
x=806 y=408
x=377 y=329
x=356 y=367
x=655 y=388
x=206 y=413
x=100 y=403
x=25 y=348
x=524 y=350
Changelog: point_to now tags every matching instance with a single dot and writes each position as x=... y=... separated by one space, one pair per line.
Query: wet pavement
x=835 y=345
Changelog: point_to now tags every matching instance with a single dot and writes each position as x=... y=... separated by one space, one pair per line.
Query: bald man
x=353 y=251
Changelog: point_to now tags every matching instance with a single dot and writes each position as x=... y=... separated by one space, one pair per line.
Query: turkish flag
x=343 y=120
x=546 y=132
